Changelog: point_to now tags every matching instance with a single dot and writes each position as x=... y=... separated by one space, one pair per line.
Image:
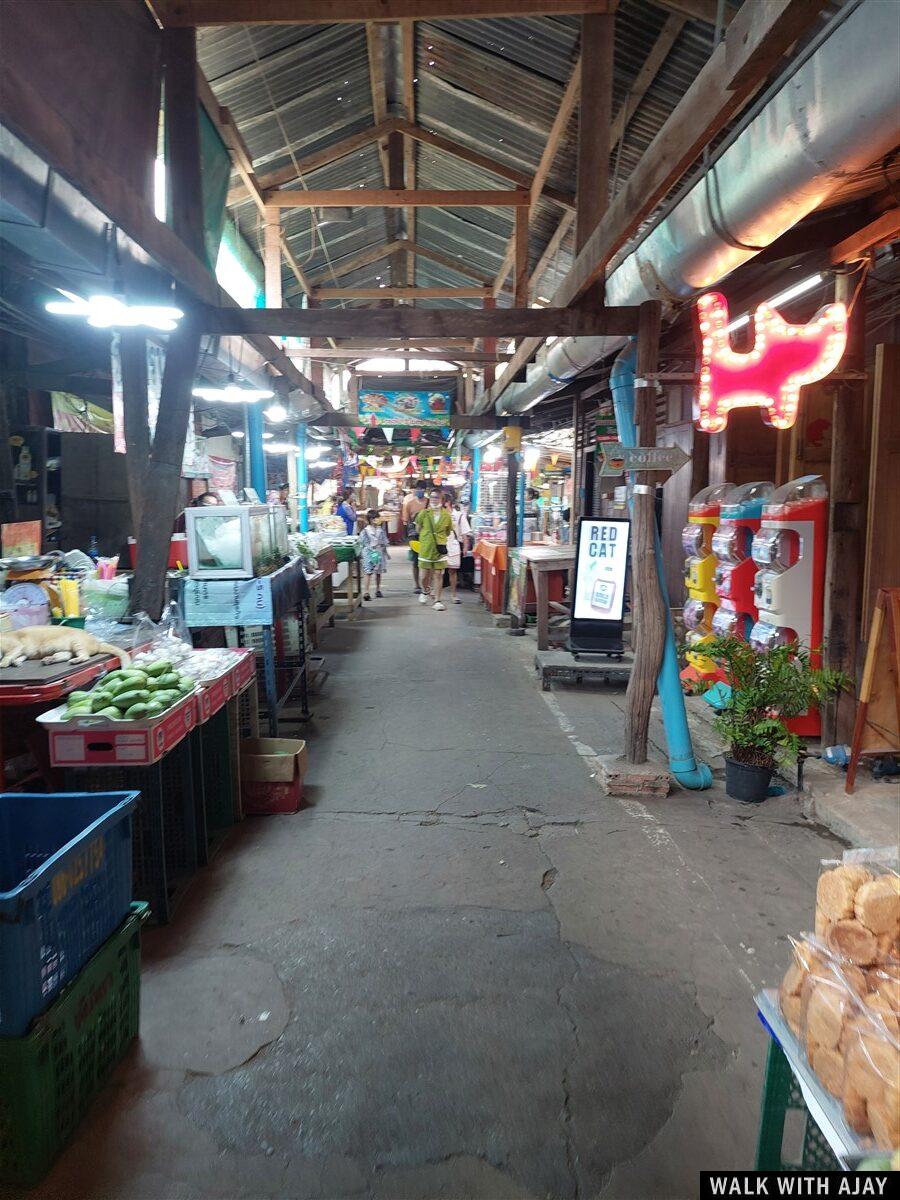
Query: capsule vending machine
x=699 y=575
x=735 y=570
x=789 y=551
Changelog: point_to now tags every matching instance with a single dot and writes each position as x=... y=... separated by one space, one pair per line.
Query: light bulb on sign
x=784 y=359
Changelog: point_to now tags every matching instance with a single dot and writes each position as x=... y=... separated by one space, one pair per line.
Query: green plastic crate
x=49 y=1077
x=781 y=1094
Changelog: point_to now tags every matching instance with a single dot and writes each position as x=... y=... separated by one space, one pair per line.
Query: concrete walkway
x=462 y=972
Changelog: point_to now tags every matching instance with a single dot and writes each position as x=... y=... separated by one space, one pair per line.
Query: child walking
x=374 y=543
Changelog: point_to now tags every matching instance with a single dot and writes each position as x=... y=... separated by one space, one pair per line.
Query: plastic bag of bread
x=858 y=909
x=811 y=963
x=870 y=1043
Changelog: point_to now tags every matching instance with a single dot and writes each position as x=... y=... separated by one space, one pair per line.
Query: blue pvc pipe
x=302 y=481
x=520 y=502
x=682 y=763
x=255 y=450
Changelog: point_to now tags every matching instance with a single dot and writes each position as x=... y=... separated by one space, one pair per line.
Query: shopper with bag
x=457 y=544
x=434 y=525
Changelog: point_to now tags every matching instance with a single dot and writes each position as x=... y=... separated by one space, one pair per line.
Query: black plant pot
x=746 y=782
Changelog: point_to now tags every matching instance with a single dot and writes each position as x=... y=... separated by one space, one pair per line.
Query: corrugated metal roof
x=493 y=85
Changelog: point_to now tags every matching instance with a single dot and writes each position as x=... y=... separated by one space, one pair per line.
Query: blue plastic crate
x=65 y=885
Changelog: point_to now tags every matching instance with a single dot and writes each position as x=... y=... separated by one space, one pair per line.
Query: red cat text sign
x=784 y=358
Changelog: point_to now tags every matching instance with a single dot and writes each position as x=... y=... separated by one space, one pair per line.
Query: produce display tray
x=824 y=1109
x=92 y=740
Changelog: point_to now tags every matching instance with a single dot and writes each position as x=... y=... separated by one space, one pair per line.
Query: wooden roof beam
x=400 y=293
x=324 y=12
x=404 y=322
x=396 y=198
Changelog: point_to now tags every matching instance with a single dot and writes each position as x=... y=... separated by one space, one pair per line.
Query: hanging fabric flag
x=396 y=460
x=359 y=430
x=415 y=434
x=445 y=432
x=388 y=433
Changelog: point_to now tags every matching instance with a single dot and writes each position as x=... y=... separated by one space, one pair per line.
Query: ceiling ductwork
x=832 y=116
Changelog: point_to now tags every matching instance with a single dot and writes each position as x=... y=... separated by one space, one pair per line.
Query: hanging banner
x=404 y=408
x=598 y=605
x=72 y=414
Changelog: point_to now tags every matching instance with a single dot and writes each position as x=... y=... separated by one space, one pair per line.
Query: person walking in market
x=374 y=545
x=457 y=544
x=434 y=525
x=413 y=504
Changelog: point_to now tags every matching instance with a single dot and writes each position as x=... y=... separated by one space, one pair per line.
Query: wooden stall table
x=551 y=567
x=348 y=593
x=321 y=606
x=267 y=604
x=493 y=572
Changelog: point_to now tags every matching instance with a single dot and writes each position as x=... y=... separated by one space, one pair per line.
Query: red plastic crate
x=92 y=740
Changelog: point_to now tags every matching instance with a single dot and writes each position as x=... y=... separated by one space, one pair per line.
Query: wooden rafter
x=595 y=118
x=450 y=146
x=644 y=78
x=551 y=148
x=879 y=232
x=549 y=252
x=408 y=37
x=319 y=158
x=384 y=250
x=324 y=12
x=397 y=198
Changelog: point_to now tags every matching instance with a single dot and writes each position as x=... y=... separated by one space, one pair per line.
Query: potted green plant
x=767 y=688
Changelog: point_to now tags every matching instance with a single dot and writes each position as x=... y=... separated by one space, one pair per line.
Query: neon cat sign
x=784 y=358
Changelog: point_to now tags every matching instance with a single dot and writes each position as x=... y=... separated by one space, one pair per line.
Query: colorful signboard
x=409 y=407
x=784 y=358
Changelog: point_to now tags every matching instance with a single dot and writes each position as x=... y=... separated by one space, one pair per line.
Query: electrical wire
x=315 y=230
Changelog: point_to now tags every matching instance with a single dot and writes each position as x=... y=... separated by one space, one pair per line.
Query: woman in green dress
x=435 y=525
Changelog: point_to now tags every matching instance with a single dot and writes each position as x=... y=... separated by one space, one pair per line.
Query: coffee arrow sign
x=618 y=458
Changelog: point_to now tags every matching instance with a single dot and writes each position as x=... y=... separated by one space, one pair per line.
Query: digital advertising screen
x=601 y=566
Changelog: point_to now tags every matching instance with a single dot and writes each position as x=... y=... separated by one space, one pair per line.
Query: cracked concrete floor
x=462 y=972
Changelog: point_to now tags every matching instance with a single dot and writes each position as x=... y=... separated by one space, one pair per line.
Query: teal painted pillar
x=520 y=500
x=302 y=481
x=255 y=450
x=476 y=472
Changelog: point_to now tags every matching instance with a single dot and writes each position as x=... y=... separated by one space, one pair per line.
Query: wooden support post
x=846 y=519
x=521 y=258
x=489 y=345
x=272 y=258
x=648 y=614
x=163 y=473
x=133 y=359
x=594 y=121
x=512 y=473
x=396 y=179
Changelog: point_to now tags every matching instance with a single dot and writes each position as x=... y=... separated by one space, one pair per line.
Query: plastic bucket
x=746 y=782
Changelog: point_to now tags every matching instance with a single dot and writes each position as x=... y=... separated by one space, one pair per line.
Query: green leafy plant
x=768 y=687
